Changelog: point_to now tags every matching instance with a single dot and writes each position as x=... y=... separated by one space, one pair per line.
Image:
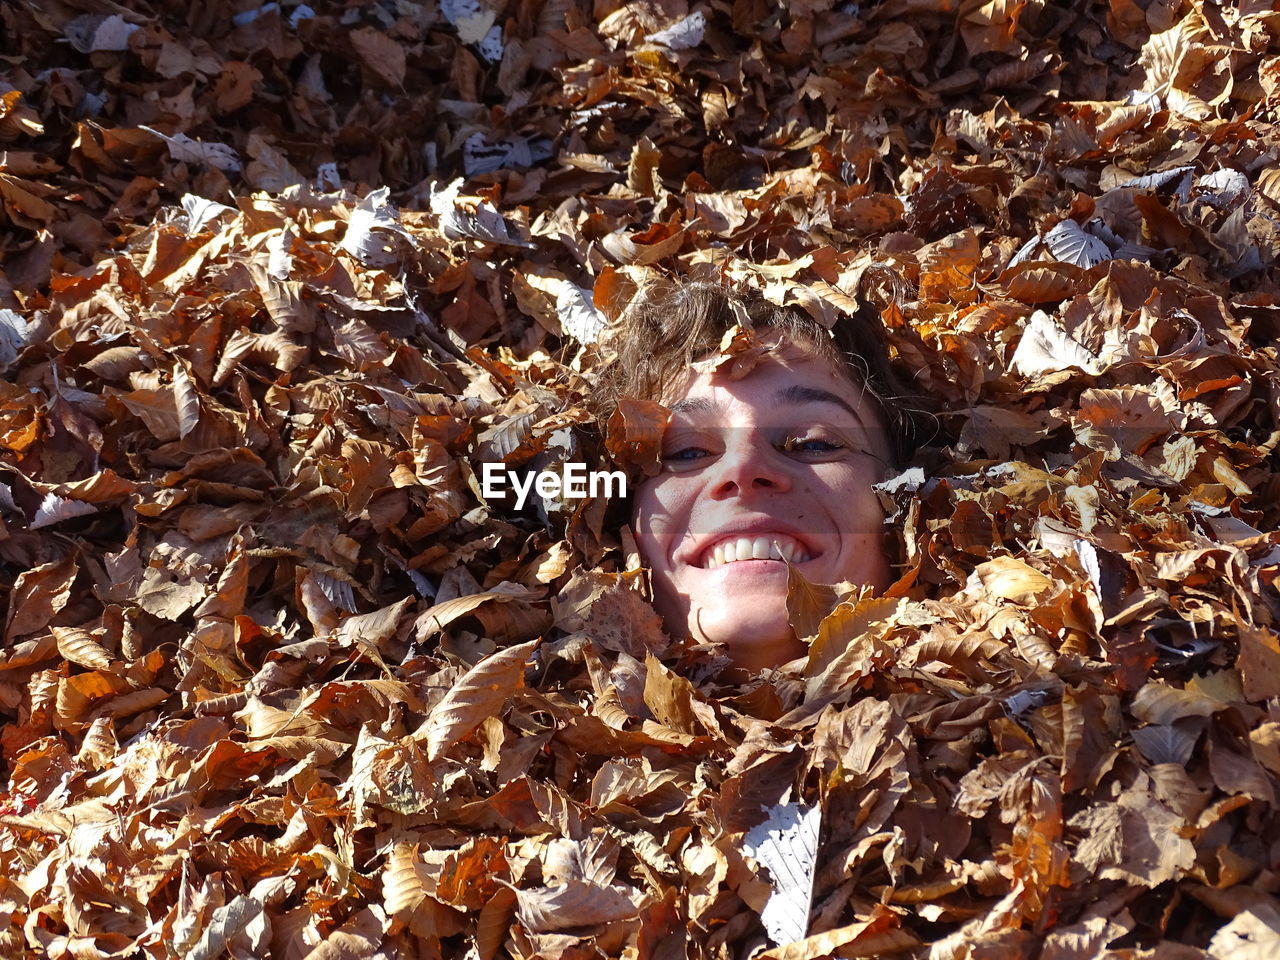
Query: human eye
x=812 y=445
x=685 y=455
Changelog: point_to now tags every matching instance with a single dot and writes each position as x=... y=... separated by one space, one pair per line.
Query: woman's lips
x=773 y=546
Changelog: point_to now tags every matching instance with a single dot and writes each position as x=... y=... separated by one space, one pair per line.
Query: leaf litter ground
x=276 y=282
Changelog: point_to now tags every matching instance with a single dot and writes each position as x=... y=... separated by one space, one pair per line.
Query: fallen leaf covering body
x=277 y=281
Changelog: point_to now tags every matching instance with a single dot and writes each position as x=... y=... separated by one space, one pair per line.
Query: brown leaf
x=21 y=201
x=574 y=904
x=634 y=434
x=1135 y=839
x=381 y=54
x=85 y=692
x=99 y=746
x=480 y=693
x=38 y=595
x=879 y=936
x=493 y=922
x=372 y=631
x=404 y=879
x=870 y=214
x=1008 y=578
x=80 y=646
x=808 y=604
x=226 y=924
x=1236 y=769
x=469 y=878
x=436 y=618
x=1159 y=702
x=102 y=487
x=642 y=169
x=670 y=697
x=1258 y=662
x=844 y=626
x=186 y=399
x=354 y=940
x=157 y=408
x=1036 y=282
x=619 y=619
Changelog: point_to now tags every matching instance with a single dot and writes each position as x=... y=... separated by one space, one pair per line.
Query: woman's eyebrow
x=796 y=394
x=694 y=405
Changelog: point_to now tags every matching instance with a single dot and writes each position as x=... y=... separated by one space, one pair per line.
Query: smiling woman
x=767 y=461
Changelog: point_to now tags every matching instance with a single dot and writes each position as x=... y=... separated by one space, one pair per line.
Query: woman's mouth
x=772 y=547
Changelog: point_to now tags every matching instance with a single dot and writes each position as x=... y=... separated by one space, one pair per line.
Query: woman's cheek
x=657 y=530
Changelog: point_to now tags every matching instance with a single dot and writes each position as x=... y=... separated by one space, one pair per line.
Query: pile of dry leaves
x=277 y=681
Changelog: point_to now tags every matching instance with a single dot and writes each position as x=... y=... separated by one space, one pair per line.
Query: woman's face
x=777 y=464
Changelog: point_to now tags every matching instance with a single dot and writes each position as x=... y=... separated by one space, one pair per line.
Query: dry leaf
x=478 y=694
x=275 y=282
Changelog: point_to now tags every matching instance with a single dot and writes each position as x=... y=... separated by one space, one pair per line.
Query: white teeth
x=756 y=548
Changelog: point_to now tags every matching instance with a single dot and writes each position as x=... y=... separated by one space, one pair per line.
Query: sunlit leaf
x=573 y=904
x=1069 y=243
x=478 y=694
x=786 y=844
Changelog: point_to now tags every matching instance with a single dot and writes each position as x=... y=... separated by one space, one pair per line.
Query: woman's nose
x=748 y=466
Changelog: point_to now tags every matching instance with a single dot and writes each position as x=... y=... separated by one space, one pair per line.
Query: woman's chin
x=755 y=632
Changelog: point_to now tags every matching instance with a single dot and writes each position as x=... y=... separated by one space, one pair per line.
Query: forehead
x=786 y=376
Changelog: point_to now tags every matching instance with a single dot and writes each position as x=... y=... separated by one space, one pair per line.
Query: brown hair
x=659 y=336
